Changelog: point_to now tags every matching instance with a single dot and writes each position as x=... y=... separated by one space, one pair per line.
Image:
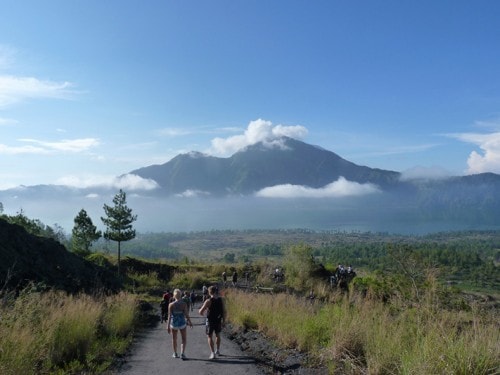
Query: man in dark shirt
x=216 y=318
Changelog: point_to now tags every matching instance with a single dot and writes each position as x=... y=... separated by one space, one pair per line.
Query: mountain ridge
x=261 y=165
x=285 y=184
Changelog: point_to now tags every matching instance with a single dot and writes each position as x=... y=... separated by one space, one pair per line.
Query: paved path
x=152 y=354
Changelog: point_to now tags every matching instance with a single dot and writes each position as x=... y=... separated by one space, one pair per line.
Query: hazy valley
x=275 y=186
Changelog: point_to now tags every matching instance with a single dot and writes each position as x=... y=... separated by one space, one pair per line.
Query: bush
x=188 y=280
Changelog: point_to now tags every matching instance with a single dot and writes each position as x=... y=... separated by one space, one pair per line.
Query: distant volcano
x=286 y=161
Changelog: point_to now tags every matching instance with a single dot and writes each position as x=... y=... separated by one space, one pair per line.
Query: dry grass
x=371 y=337
x=44 y=332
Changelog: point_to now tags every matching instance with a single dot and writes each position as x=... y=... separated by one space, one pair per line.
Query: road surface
x=152 y=354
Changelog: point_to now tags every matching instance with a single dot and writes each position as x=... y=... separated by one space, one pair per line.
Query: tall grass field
x=57 y=333
x=372 y=337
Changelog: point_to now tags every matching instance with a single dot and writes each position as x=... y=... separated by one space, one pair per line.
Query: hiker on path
x=164 y=307
x=204 y=291
x=235 y=278
x=192 y=297
x=187 y=299
x=178 y=318
x=216 y=317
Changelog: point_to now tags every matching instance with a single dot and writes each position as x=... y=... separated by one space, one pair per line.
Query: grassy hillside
x=26 y=258
x=61 y=313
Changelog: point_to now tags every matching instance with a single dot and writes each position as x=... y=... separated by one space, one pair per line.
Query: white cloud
x=229 y=129
x=16 y=150
x=257 y=131
x=489 y=159
x=190 y=193
x=125 y=182
x=7 y=121
x=295 y=131
x=174 y=132
x=43 y=147
x=426 y=173
x=339 y=188
x=66 y=145
x=16 y=89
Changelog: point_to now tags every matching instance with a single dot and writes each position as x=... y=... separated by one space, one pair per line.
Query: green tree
x=118 y=222
x=299 y=266
x=56 y=232
x=84 y=233
x=33 y=226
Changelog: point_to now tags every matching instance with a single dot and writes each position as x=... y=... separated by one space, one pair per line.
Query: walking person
x=224 y=278
x=192 y=297
x=204 y=291
x=164 y=307
x=178 y=318
x=235 y=278
x=187 y=299
x=216 y=318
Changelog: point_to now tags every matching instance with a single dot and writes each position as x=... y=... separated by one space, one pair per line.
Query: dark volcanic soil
x=273 y=359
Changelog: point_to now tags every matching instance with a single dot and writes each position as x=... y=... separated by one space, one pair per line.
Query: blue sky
x=90 y=90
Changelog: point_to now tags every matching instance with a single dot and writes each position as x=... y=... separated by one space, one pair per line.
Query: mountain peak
x=282 y=143
x=196 y=154
x=267 y=163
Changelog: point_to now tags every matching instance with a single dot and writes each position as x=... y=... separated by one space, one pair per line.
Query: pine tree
x=84 y=233
x=118 y=222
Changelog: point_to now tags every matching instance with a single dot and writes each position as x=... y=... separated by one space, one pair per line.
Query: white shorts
x=179 y=328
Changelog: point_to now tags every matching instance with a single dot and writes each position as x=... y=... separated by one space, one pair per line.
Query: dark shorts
x=212 y=327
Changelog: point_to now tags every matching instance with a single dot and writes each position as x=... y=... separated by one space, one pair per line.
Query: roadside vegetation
x=376 y=329
x=369 y=336
x=417 y=305
x=52 y=332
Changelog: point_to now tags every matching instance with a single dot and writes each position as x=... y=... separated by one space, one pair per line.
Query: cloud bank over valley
x=336 y=189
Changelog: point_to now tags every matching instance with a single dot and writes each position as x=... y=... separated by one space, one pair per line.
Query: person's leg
x=217 y=341
x=174 y=340
x=211 y=343
x=183 y=338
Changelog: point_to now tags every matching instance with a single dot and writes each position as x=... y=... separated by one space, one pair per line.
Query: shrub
x=185 y=280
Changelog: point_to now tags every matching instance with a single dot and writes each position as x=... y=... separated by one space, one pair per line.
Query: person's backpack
x=216 y=310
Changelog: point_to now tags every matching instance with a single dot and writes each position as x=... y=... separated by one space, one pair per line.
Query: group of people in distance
x=175 y=311
x=234 y=278
x=342 y=276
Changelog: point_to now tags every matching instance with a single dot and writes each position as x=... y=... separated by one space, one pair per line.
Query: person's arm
x=205 y=306
x=169 y=317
